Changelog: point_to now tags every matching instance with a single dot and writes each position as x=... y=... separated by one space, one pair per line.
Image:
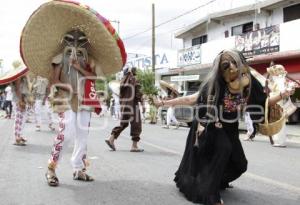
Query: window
x=291 y=13
x=226 y=34
x=199 y=40
x=240 y=29
x=192 y=87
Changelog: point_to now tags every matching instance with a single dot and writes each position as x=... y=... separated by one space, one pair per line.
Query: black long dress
x=220 y=158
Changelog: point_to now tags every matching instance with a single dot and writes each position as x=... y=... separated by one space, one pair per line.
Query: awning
x=292 y=66
x=277 y=56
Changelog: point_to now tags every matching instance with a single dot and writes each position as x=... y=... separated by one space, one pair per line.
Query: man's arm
x=18 y=90
x=21 y=100
x=83 y=71
x=139 y=95
x=55 y=79
x=285 y=94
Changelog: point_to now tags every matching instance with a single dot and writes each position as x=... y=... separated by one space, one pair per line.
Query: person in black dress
x=213 y=155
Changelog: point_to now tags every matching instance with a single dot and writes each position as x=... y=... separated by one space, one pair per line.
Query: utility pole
x=153 y=38
x=1 y=71
x=117 y=22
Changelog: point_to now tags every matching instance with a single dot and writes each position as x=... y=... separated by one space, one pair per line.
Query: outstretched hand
x=154 y=101
x=288 y=92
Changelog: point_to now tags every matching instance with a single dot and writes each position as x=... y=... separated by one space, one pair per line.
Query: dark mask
x=237 y=78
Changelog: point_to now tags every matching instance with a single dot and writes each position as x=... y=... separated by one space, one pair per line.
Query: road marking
x=247 y=174
x=93 y=157
x=161 y=148
x=273 y=182
x=156 y=146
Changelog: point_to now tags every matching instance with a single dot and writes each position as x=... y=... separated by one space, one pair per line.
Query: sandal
x=52 y=178
x=23 y=139
x=82 y=176
x=38 y=128
x=111 y=146
x=19 y=142
x=51 y=127
x=279 y=145
x=137 y=150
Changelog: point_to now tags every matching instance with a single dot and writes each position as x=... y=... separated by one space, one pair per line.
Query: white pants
x=72 y=125
x=280 y=138
x=249 y=124
x=38 y=109
x=117 y=111
x=171 y=116
x=104 y=110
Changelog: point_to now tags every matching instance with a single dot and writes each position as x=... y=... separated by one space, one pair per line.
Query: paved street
x=124 y=178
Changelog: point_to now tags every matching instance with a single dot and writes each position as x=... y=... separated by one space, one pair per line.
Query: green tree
x=147 y=81
x=102 y=85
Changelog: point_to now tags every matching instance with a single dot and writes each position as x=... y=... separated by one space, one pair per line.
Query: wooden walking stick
x=267 y=90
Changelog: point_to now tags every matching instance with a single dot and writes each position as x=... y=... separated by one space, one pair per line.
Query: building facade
x=266 y=31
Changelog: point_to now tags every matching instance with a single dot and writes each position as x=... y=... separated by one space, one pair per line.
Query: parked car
x=295 y=117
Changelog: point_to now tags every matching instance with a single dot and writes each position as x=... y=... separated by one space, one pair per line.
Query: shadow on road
x=124 y=192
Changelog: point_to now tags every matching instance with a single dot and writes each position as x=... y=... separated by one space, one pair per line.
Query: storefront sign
x=189 y=56
x=161 y=60
x=185 y=78
x=259 y=42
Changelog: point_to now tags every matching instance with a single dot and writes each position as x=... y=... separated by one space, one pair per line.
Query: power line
x=170 y=20
x=163 y=33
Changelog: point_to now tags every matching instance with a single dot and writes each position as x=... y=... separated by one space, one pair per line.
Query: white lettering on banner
x=146 y=62
x=266 y=40
x=185 y=78
x=92 y=94
x=189 y=56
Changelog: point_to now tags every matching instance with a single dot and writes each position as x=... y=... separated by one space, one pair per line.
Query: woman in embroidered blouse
x=214 y=158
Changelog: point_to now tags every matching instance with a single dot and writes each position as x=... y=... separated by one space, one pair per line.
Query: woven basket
x=274 y=120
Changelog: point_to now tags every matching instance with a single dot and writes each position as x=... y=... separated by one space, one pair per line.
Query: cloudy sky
x=134 y=17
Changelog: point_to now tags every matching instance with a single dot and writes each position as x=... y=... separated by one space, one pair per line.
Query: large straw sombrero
x=168 y=86
x=42 y=35
x=114 y=86
x=12 y=74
